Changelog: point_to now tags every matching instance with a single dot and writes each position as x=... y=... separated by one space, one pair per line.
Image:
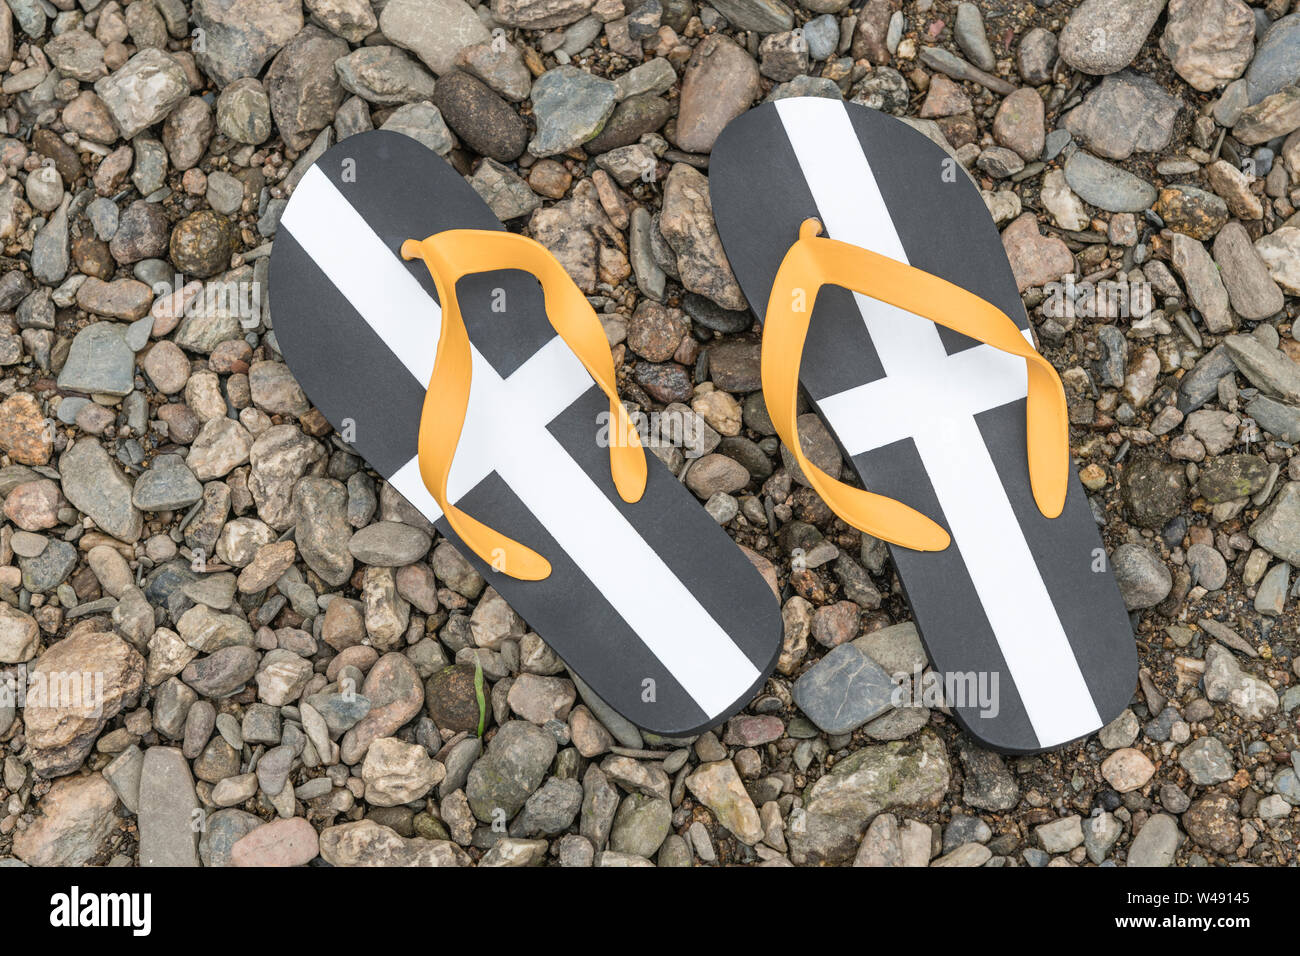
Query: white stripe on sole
x=506 y=432
x=983 y=525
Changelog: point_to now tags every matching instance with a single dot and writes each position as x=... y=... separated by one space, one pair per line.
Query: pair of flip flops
x=472 y=374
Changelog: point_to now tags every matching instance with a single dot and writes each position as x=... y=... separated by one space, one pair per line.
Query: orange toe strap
x=813 y=262
x=459 y=252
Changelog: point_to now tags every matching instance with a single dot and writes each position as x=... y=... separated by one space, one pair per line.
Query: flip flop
x=927 y=380
x=596 y=545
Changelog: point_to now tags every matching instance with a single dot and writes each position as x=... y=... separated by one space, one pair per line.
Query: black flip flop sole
x=1020 y=615
x=651 y=604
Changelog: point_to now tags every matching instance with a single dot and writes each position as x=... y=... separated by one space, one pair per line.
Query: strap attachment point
x=458 y=252
x=812 y=262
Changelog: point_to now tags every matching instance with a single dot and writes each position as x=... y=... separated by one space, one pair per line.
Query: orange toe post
x=459 y=252
x=812 y=262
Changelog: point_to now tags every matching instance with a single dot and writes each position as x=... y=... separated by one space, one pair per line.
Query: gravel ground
x=283 y=649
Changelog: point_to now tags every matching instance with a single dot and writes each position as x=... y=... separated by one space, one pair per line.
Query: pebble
x=1100 y=833
x=1251 y=290
x=869 y=780
x=1191 y=211
x=103 y=215
x=398 y=773
x=150 y=171
x=100 y=362
x=225 y=193
x=142 y=233
x=720 y=82
x=33 y=506
x=76 y=823
x=1019 y=123
x=167 y=805
x=1060 y=836
x=1267 y=368
x=783 y=56
x=424 y=124
x=1035 y=56
x=1275 y=64
x=47 y=570
x=761 y=16
x=167 y=485
x=244 y=111
x=843 y=690
x=45 y=188
x=23 y=434
x=541 y=699
x=19 y=635
x=508 y=196
x=687 y=225
x=971 y=37
x=1234 y=187
x=1209 y=42
x=1225 y=681
x=1156 y=843
x=1205 y=289
x=481 y=118
x=1208 y=567
x=822 y=34
x=185 y=136
x=50 y=256
x=1143 y=579
x=302 y=86
x=1126 y=113
x=366 y=843
x=1173 y=799
x=395 y=693
x=243 y=35
x=1206 y=761
x=1281 y=254
x=1107 y=187
x=511 y=769
x=62 y=734
x=570 y=107
x=500 y=66
x=640 y=825
x=201 y=244
x=223 y=672
x=143 y=91
x=717 y=785
x=1212 y=821
x=291 y=842
x=1035 y=259
x=353 y=20
x=1270 y=597
x=1232 y=476
x=1104 y=36
x=1127 y=769
x=94 y=485
x=550 y=810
